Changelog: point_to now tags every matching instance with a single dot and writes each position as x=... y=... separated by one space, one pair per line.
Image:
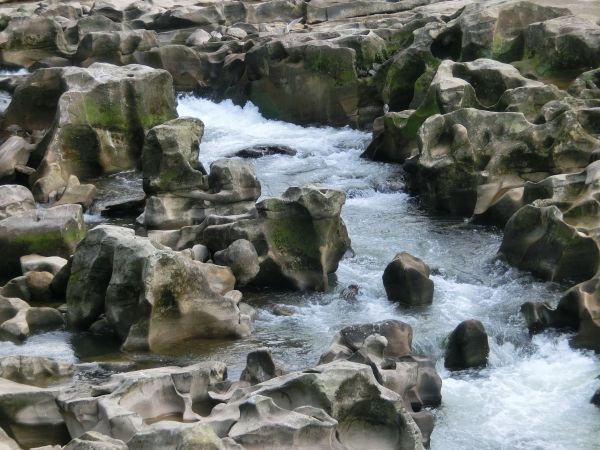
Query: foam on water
x=534 y=394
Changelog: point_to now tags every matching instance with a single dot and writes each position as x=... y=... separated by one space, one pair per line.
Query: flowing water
x=535 y=392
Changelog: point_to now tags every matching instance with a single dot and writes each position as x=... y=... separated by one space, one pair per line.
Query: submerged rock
x=259 y=151
x=406 y=280
x=468 y=346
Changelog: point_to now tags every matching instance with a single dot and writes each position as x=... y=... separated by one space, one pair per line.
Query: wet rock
x=299 y=237
x=242 y=259
x=49 y=232
x=15 y=199
x=538 y=316
x=77 y=193
x=280 y=310
x=259 y=151
x=96 y=119
x=133 y=398
x=92 y=440
x=152 y=296
x=538 y=239
x=260 y=367
x=468 y=346
x=35 y=370
x=406 y=280
x=349 y=293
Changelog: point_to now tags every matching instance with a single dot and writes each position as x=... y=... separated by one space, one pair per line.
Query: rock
x=132 y=398
x=596 y=398
x=197 y=38
x=152 y=296
x=304 y=234
x=562 y=44
x=406 y=280
x=349 y=294
x=29 y=39
x=539 y=240
x=38 y=263
x=242 y=259
x=230 y=189
x=35 y=370
x=76 y=193
x=58 y=286
x=280 y=310
x=538 y=316
x=18 y=320
x=170 y=157
x=259 y=151
x=260 y=367
x=49 y=232
x=114 y=47
x=467 y=346
x=93 y=440
x=200 y=253
x=30 y=415
x=15 y=199
x=14 y=154
x=386 y=348
x=174 y=436
x=7 y=443
x=31 y=287
x=96 y=119
x=324 y=407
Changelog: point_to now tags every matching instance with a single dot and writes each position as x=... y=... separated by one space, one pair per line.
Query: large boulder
x=96 y=119
x=152 y=296
x=468 y=346
x=15 y=199
x=49 y=232
x=406 y=280
x=299 y=237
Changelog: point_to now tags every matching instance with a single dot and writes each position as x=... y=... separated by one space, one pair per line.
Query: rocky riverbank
x=491 y=109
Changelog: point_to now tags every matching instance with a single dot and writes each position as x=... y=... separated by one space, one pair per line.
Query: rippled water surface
x=534 y=394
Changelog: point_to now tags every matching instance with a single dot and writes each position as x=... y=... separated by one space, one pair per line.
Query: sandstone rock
x=35 y=370
x=30 y=415
x=29 y=39
x=15 y=199
x=242 y=259
x=93 y=440
x=96 y=118
x=174 y=436
x=170 y=157
x=468 y=346
x=406 y=280
x=260 y=367
x=31 y=287
x=152 y=296
x=49 y=232
x=119 y=408
x=304 y=235
x=18 y=320
x=114 y=47
x=14 y=154
x=77 y=193
x=539 y=240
